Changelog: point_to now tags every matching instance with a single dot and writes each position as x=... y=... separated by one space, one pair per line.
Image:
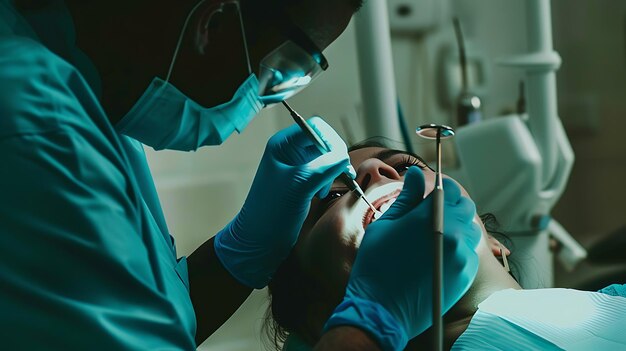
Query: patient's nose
x=373 y=171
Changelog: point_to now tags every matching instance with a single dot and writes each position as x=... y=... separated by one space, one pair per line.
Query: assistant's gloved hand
x=292 y=171
x=389 y=292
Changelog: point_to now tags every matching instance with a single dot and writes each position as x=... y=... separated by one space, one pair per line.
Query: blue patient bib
x=547 y=319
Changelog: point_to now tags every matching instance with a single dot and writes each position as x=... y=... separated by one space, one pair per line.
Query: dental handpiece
x=321 y=146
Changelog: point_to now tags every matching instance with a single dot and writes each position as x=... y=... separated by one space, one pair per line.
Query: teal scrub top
x=86 y=260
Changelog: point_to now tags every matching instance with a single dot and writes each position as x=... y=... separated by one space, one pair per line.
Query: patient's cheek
x=484 y=245
x=328 y=233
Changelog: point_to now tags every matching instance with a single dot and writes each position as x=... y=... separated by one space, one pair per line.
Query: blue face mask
x=165 y=118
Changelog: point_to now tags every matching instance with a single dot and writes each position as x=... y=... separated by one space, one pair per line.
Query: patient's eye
x=334 y=195
x=406 y=162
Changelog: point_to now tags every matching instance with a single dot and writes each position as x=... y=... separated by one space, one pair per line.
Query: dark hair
x=292 y=294
x=29 y=5
x=271 y=11
x=273 y=5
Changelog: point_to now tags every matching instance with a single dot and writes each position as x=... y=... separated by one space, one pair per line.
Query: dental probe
x=321 y=146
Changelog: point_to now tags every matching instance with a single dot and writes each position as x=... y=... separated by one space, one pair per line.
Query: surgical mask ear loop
x=243 y=35
x=220 y=8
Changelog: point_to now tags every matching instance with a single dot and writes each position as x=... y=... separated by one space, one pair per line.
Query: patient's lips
x=387 y=195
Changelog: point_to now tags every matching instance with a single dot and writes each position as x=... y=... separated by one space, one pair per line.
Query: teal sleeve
x=615 y=290
x=73 y=267
x=81 y=265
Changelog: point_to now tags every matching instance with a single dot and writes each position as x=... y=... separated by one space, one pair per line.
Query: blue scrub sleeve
x=73 y=267
x=615 y=290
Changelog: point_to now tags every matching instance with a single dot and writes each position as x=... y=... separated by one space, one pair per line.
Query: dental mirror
x=430 y=131
x=438 y=133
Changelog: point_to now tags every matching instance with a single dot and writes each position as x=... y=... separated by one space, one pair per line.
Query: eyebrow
x=384 y=155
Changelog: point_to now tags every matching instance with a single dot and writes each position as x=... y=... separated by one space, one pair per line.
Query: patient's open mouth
x=382 y=204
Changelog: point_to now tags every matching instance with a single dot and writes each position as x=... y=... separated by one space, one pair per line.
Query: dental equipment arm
x=376 y=73
x=571 y=252
x=533 y=155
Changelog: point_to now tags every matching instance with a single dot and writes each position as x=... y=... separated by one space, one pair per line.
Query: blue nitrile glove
x=292 y=171
x=389 y=292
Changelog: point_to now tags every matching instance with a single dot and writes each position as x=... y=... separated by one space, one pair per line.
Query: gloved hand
x=389 y=291
x=292 y=171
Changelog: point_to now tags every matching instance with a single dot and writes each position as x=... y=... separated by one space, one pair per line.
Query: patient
x=312 y=281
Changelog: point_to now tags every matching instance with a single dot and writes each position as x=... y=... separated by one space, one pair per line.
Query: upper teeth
x=386 y=205
x=383 y=208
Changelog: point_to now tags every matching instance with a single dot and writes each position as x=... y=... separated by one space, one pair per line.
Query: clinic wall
x=591 y=37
